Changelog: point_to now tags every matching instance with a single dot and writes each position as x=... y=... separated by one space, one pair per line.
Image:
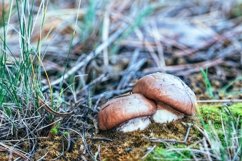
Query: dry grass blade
x=50 y=110
x=15 y=151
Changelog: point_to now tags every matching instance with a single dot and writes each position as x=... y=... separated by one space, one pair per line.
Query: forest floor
x=61 y=60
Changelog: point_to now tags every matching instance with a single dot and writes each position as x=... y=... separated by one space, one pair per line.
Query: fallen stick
x=6 y=148
x=89 y=57
x=50 y=110
x=185 y=69
x=220 y=101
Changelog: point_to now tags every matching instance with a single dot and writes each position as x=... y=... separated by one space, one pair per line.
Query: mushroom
x=173 y=97
x=130 y=113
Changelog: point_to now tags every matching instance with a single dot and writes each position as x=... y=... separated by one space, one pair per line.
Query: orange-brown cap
x=167 y=89
x=122 y=109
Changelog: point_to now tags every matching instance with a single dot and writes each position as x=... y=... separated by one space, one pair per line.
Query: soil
x=135 y=145
x=113 y=145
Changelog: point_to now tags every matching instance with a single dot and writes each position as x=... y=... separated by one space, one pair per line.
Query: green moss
x=163 y=154
x=221 y=124
x=55 y=129
x=236 y=109
x=211 y=112
x=65 y=133
x=217 y=113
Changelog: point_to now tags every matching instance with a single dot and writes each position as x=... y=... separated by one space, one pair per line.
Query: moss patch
x=222 y=125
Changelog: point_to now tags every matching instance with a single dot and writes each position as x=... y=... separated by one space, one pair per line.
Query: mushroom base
x=165 y=116
x=135 y=124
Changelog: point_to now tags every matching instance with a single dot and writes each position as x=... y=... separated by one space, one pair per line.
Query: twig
x=101 y=138
x=131 y=71
x=105 y=95
x=148 y=152
x=99 y=79
x=50 y=110
x=88 y=58
x=187 y=133
x=185 y=69
x=4 y=147
x=106 y=26
x=218 y=38
x=43 y=157
x=220 y=101
x=203 y=133
x=157 y=140
x=206 y=149
x=43 y=127
x=98 y=153
x=22 y=139
x=84 y=142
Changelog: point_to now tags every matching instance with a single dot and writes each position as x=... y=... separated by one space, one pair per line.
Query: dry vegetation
x=60 y=60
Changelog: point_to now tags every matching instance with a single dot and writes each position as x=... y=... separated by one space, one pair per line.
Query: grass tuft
x=207 y=82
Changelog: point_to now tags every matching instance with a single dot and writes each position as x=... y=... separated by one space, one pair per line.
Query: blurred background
x=199 y=41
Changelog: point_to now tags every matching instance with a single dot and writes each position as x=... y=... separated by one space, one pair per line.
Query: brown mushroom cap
x=167 y=89
x=122 y=109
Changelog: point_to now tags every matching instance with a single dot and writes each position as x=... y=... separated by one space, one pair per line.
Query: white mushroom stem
x=165 y=114
x=135 y=124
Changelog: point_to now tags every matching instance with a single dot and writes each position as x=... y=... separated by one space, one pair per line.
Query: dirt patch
x=55 y=147
x=113 y=145
x=134 y=145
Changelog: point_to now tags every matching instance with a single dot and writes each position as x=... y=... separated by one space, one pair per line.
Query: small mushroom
x=130 y=113
x=173 y=97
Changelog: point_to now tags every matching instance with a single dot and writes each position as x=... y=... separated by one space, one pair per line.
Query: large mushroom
x=130 y=113
x=173 y=97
